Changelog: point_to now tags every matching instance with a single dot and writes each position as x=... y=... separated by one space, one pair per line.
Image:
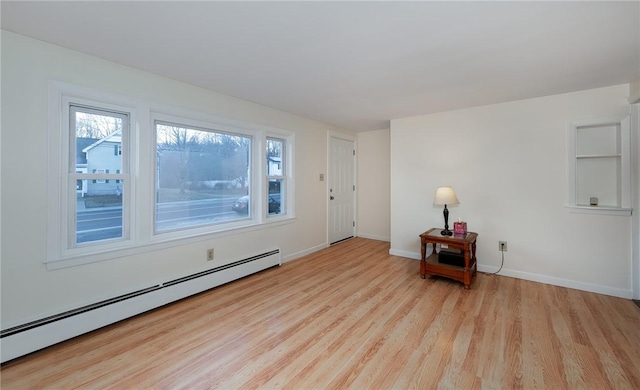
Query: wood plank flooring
x=354 y=317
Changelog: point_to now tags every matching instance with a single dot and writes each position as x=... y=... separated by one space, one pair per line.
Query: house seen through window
x=121 y=183
x=99 y=209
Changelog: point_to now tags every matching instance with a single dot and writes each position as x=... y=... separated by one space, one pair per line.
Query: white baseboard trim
x=374 y=237
x=590 y=287
x=17 y=342
x=316 y=248
x=552 y=280
x=305 y=252
x=407 y=254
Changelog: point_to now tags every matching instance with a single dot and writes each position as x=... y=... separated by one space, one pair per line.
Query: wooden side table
x=431 y=264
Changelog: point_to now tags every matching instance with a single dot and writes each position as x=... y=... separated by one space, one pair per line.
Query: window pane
x=275 y=176
x=98 y=140
x=275 y=149
x=202 y=177
x=276 y=197
x=99 y=217
x=97 y=146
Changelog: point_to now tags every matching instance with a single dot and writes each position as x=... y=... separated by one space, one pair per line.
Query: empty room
x=320 y=195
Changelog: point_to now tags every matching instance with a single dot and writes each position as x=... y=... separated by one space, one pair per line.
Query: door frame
x=353 y=139
x=635 y=200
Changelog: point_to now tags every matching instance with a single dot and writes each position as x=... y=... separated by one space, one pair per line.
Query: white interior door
x=341 y=189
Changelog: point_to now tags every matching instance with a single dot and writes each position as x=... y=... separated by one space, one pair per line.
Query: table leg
x=467 y=271
x=473 y=257
x=423 y=263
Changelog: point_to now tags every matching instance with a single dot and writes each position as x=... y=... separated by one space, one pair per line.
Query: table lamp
x=445 y=196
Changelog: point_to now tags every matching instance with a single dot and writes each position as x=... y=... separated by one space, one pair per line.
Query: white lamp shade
x=445 y=195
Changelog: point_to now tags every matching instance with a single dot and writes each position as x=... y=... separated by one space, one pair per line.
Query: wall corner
x=634 y=91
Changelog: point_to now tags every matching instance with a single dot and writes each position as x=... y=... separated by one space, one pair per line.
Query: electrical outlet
x=209 y=254
x=502 y=246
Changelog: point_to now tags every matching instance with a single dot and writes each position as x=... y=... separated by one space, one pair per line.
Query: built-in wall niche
x=599 y=172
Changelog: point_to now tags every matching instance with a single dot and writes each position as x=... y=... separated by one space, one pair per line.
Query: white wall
x=373 y=185
x=29 y=290
x=634 y=91
x=508 y=165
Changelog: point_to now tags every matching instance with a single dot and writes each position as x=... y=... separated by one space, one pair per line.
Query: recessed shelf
x=599 y=169
x=598 y=155
x=600 y=210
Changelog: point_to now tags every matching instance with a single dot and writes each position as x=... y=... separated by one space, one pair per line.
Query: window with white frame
x=202 y=176
x=178 y=176
x=98 y=215
x=276 y=176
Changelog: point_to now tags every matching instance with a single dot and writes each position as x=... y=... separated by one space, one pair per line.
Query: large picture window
x=125 y=177
x=201 y=174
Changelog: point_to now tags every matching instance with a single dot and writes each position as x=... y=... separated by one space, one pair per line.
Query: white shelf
x=598 y=155
x=600 y=210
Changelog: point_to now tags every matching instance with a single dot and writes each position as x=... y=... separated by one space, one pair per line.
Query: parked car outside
x=241 y=205
x=274 y=203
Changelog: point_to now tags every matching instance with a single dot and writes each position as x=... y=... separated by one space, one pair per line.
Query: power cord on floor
x=499 y=269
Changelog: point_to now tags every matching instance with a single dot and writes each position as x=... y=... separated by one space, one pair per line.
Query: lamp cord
x=500 y=269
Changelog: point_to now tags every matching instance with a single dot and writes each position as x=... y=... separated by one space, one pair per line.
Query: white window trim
x=101 y=176
x=59 y=197
x=141 y=187
x=288 y=175
x=625 y=153
x=185 y=120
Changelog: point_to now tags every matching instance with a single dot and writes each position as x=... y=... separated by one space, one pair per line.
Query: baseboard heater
x=35 y=335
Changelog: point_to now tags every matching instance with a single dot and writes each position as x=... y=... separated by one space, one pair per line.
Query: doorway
x=342 y=189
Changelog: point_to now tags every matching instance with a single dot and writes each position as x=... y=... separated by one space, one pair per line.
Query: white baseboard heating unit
x=32 y=336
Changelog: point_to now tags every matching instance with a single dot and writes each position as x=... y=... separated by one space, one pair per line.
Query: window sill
x=600 y=210
x=140 y=248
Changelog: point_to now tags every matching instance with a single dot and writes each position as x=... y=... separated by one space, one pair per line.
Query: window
x=276 y=176
x=201 y=174
x=175 y=178
x=99 y=171
x=599 y=172
x=98 y=212
x=80 y=186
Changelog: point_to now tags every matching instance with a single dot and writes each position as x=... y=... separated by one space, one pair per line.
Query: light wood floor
x=352 y=316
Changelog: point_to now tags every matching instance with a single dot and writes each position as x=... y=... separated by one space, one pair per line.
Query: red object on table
x=459 y=227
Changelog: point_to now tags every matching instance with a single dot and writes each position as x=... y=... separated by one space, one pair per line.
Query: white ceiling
x=354 y=64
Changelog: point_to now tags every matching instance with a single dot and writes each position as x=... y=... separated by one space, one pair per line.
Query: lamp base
x=446 y=231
